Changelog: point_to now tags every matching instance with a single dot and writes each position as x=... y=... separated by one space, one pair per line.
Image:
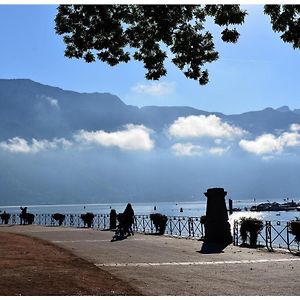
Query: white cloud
x=270 y=144
x=266 y=143
x=218 y=141
x=219 y=151
x=20 y=145
x=189 y=149
x=133 y=137
x=295 y=127
x=204 y=126
x=53 y=102
x=50 y=100
x=154 y=88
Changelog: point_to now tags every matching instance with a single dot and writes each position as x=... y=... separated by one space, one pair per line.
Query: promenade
x=161 y=265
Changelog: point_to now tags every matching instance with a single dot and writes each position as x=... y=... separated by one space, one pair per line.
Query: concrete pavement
x=160 y=265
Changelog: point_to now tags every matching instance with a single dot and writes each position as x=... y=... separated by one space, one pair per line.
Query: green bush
x=251 y=227
x=59 y=217
x=160 y=222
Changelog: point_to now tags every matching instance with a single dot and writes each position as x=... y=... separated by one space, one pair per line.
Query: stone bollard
x=113 y=219
x=217 y=227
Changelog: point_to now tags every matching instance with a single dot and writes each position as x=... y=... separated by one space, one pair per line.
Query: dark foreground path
x=159 y=265
x=31 y=266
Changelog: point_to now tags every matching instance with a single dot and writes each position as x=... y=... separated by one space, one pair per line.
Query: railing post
x=236 y=233
x=191 y=227
x=143 y=223
x=135 y=224
x=171 y=229
x=269 y=236
x=287 y=235
x=98 y=221
x=104 y=221
x=179 y=226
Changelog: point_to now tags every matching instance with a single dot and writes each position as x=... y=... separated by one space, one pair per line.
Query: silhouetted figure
x=23 y=215
x=128 y=219
x=125 y=222
x=121 y=229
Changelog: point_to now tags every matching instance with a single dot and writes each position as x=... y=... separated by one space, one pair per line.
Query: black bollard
x=217 y=228
x=113 y=219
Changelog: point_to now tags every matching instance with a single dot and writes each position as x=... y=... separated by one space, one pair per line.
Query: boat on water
x=236 y=209
x=275 y=206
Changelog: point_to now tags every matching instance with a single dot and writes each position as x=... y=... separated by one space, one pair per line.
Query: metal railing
x=273 y=236
x=176 y=226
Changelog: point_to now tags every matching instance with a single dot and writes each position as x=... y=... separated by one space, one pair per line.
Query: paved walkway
x=160 y=265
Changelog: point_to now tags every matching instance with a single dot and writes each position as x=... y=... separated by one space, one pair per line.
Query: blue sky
x=257 y=72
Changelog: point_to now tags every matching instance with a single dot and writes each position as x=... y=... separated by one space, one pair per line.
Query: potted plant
x=251 y=226
x=5 y=217
x=88 y=219
x=160 y=222
x=59 y=217
x=30 y=218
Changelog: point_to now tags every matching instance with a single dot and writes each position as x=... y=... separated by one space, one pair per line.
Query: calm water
x=192 y=209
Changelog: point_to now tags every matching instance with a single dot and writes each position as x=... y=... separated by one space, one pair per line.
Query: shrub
x=59 y=217
x=252 y=227
x=30 y=218
x=88 y=219
x=160 y=222
x=5 y=217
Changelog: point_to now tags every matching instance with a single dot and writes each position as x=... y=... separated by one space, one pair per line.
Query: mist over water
x=62 y=147
x=102 y=176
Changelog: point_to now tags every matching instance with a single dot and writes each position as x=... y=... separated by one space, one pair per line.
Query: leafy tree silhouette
x=119 y=33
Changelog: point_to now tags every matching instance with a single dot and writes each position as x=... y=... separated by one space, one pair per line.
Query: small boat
x=236 y=209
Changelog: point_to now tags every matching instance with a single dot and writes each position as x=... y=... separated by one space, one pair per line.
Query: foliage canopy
x=119 y=33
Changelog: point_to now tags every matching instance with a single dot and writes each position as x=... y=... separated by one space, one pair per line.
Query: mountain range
x=34 y=117
x=32 y=110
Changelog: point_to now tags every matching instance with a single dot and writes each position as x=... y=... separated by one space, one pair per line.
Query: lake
x=191 y=209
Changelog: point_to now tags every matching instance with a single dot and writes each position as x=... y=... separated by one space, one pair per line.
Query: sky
x=259 y=71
